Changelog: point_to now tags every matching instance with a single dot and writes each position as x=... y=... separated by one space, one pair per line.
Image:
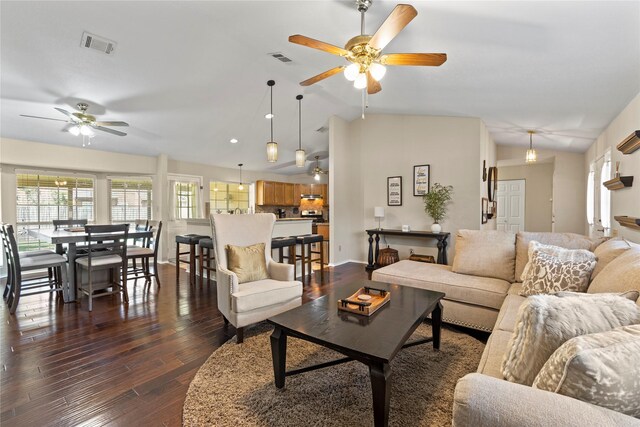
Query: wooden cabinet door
x=289 y=194
x=305 y=189
x=325 y=194
x=269 y=193
x=297 y=191
x=279 y=193
x=260 y=193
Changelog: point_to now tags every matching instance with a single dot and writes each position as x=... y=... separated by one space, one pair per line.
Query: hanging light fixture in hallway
x=301 y=156
x=531 y=156
x=272 y=146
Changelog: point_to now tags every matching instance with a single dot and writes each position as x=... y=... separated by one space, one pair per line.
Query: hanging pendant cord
x=530 y=141
x=300 y=123
x=271 y=113
x=362 y=22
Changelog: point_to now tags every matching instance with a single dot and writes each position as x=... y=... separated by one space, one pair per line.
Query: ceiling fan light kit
x=272 y=146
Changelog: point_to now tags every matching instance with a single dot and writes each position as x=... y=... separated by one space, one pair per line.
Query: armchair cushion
x=248 y=263
x=279 y=271
x=263 y=293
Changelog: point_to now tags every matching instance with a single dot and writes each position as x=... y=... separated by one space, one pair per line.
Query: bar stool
x=191 y=240
x=306 y=253
x=206 y=244
x=286 y=242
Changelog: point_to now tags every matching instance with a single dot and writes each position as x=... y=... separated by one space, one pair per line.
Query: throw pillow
x=601 y=368
x=553 y=269
x=545 y=322
x=621 y=274
x=249 y=262
x=564 y=240
x=607 y=252
x=485 y=254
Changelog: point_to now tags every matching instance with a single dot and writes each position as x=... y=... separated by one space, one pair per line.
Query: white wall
x=365 y=152
x=627 y=200
x=488 y=153
x=569 y=184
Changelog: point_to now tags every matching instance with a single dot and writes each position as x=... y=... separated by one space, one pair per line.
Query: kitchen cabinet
x=290 y=196
x=279 y=193
x=265 y=193
x=325 y=195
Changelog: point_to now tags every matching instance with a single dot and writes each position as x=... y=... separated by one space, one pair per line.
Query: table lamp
x=378 y=213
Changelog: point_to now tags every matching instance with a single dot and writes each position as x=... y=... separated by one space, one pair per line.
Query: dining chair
x=36 y=283
x=106 y=250
x=24 y=254
x=145 y=253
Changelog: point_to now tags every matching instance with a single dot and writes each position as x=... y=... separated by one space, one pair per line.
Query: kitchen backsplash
x=290 y=210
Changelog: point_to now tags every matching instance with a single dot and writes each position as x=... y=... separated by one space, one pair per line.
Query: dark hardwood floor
x=118 y=365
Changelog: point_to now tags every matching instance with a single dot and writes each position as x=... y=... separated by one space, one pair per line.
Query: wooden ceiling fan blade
x=43 y=118
x=401 y=15
x=111 y=131
x=111 y=124
x=317 y=44
x=322 y=76
x=373 y=86
x=424 y=59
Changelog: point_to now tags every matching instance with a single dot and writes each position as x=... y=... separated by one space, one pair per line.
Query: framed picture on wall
x=485 y=210
x=394 y=191
x=421 y=180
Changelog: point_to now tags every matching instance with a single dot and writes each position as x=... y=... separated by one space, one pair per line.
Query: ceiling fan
x=364 y=52
x=83 y=123
x=317 y=171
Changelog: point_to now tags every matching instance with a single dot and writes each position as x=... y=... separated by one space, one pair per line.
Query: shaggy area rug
x=235 y=385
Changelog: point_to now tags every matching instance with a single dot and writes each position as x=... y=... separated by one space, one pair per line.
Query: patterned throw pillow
x=545 y=322
x=601 y=368
x=552 y=269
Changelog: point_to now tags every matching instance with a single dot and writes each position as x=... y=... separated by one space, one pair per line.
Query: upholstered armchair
x=246 y=303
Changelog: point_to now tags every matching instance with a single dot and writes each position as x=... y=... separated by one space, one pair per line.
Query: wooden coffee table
x=373 y=340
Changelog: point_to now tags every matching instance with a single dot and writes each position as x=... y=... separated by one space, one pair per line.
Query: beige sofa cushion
x=564 y=240
x=494 y=351
x=607 y=252
x=484 y=291
x=545 y=322
x=601 y=368
x=264 y=293
x=485 y=254
x=620 y=275
x=509 y=313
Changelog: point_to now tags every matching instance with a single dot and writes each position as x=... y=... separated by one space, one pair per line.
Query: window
x=130 y=198
x=41 y=198
x=227 y=196
x=605 y=194
x=591 y=196
x=186 y=200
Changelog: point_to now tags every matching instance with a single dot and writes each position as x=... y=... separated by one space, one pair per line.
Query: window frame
x=140 y=178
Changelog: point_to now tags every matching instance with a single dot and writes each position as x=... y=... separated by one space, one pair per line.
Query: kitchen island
x=282 y=228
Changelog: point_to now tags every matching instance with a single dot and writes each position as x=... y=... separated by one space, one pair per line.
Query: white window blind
x=591 y=196
x=605 y=194
x=41 y=198
x=130 y=198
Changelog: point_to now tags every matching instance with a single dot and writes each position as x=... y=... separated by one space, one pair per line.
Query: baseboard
x=348 y=261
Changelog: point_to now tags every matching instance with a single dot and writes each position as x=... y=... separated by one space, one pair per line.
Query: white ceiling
x=188 y=76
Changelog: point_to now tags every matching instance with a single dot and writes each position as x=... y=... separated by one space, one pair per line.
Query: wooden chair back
x=68 y=223
x=107 y=240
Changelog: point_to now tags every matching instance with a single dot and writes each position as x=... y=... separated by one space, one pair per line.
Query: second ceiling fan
x=365 y=51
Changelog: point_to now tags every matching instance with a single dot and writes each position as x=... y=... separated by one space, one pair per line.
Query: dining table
x=71 y=237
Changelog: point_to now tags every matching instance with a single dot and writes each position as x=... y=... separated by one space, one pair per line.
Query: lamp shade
x=378 y=212
x=272 y=152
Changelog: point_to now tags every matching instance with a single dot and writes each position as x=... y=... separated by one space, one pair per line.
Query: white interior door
x=510 y=197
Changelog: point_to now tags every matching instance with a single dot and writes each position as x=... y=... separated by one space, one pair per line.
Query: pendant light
x=531 y=156
x=272 y=146
x=301 y=156
x=240 y=187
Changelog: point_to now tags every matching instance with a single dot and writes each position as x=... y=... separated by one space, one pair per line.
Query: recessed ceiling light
x=233 y=141
x=268 y=116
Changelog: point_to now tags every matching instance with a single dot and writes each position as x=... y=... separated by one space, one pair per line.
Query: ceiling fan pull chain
x=364 y=91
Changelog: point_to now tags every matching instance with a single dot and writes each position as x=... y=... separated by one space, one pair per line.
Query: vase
x=435 y=227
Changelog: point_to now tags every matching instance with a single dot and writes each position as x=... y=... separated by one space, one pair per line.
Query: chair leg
x=302 y=261
x=90 y=290
x=125 y=293
x=177 y=261
x=192 y=264
x=209 y=265
x=16 y=296
x=201 y=265
x=155 y=270
x=226 y=321
x=63 y=276
x=239 y=335
x=322 y=262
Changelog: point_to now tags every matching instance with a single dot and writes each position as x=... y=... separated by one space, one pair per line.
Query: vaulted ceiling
x=189 y=76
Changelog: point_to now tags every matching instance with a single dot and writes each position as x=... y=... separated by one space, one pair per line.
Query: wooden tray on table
x=354 y=304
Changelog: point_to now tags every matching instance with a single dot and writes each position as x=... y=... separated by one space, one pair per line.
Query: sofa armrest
x=481 y=400
x=226 y=279
x=282 y=272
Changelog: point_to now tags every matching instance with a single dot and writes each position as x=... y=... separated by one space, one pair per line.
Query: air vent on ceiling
x=101 y=44
x=280 y=57
x=322 y=129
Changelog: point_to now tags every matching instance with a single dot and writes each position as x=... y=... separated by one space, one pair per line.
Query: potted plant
x=435 y=204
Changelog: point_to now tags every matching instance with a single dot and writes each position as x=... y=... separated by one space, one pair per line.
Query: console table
x=441 y=237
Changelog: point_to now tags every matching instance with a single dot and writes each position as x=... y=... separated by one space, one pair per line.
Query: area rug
x=235 y=385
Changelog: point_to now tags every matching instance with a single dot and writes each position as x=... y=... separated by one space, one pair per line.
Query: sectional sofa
x=482 y=292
